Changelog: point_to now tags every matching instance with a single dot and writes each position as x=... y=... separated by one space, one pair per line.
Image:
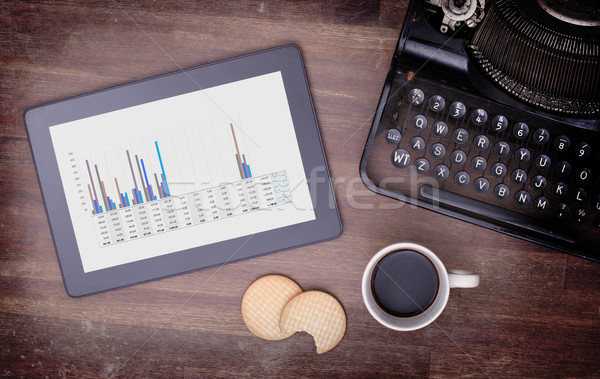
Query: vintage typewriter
x=490 y=114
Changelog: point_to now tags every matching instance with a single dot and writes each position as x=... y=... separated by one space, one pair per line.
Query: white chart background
x=197 y=150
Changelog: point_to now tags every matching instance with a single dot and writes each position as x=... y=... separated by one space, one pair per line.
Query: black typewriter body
x=490 y=113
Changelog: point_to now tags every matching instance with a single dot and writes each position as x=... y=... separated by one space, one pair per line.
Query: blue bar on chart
x=150 y=194
x=164 y=176
x=240 y=159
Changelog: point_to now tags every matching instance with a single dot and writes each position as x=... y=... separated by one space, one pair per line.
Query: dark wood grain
x=535 y=314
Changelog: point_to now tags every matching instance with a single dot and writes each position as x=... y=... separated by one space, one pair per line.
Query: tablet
x=183 y=171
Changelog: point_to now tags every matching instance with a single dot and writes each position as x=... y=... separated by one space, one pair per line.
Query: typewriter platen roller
x=490 y=114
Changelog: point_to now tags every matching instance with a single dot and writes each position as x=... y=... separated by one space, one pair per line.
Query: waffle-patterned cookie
x=317 y=313
x=263 y=304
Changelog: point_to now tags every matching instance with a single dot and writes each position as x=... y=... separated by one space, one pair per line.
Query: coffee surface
x=404 y=283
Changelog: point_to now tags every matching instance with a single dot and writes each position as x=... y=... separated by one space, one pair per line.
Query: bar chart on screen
x=182 y=172
x=185 y=177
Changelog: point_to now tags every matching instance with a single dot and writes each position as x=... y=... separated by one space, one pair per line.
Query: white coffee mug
x=446 y=279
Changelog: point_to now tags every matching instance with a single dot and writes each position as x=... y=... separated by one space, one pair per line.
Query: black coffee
x=404 y=283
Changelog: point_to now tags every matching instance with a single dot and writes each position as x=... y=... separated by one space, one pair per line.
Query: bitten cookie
x=317 y=313
x=263 y=304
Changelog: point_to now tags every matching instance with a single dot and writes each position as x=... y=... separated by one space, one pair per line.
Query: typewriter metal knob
x=458 y=11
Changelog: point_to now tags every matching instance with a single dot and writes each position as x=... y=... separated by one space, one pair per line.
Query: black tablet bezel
x=286 y=59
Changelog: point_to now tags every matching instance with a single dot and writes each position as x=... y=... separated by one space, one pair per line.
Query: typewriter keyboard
x=490 y=164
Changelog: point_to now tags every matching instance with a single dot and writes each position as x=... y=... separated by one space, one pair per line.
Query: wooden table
x=535 y=314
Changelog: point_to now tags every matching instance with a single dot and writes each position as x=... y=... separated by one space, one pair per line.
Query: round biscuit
x=263 y=303
x=317 y=313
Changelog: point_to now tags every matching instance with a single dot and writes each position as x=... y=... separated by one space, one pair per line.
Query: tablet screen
x=181 y=172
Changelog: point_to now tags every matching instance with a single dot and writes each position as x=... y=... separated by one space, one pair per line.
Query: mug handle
x=462 y=279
